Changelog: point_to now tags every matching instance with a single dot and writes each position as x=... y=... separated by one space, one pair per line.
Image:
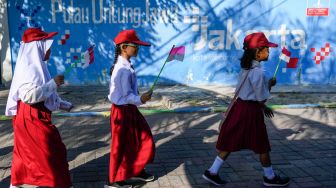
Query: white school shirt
x=30 y=93
x=31 y=81
x=123 y=84
x=255 y=86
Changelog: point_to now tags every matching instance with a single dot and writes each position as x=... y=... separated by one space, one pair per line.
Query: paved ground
x=303 y=145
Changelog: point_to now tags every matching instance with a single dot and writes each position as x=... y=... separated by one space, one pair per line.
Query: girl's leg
x=211 y=175
x=265 y=161
x=218 y=162
x=270 y=178
x=223 y=154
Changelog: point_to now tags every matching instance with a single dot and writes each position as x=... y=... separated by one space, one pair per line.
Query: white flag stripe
x=86 y=60
x=284 y=58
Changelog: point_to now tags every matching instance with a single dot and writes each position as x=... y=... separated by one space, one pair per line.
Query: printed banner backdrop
x=211 y=31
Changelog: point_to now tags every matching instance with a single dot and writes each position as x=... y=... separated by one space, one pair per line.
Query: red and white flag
x=177 y=53
x=285 y=55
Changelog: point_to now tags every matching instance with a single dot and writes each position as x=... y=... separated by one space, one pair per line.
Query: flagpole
x=276 y=70
x=157 y=78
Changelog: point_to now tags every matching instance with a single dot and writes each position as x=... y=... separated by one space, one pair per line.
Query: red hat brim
x=142 y=43
x=272 y=45
x=36 y=34
x=51 y=34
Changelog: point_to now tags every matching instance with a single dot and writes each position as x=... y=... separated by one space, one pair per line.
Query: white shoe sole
x=141 y=179
x=274 y=185
x=209 y=180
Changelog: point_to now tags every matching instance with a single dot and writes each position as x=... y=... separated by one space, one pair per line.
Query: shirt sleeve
x=30 y=93
x=126 y=88
x=65 y=105
x=258 y=81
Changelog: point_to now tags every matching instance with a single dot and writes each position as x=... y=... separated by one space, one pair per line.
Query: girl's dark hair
x=116 y=54
x=248 y=56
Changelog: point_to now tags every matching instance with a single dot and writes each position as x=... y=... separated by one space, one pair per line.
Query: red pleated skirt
x=132 y=144
x=39 y=156
x=244 y=128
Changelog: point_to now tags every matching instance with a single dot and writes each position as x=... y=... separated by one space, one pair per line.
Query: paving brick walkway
x=303 y=148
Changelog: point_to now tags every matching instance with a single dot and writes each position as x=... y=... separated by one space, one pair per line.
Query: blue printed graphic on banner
x=211 y=31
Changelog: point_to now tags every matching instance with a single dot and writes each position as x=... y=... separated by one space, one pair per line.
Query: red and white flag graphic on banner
x=286 y=56
x=292 y=63
x=322 y=53
x=88 y=57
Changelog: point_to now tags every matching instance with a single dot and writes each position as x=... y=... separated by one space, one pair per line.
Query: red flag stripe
x=286 y=52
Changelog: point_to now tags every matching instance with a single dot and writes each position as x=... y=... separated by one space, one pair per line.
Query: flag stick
x=72 y=66
x=276 y=70
x=157 y=78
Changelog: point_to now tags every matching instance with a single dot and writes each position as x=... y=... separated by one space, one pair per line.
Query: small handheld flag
x=285 y=54
x=86 y=59
x=176 y=53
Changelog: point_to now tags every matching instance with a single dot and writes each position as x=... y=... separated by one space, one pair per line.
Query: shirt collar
x=255 y=64
x=124 y=62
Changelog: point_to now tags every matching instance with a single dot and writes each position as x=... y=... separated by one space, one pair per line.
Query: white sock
x=268 y=172
x=216 y=165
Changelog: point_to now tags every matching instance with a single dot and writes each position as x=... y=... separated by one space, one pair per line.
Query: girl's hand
x=59 y=80
x=271 y=83
x=268 y=112
x=66 y=106
x=146 y=96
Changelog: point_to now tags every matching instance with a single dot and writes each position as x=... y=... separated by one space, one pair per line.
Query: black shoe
x=277 y=181
x=119 y=184
x=144 y=176
x=214 y=179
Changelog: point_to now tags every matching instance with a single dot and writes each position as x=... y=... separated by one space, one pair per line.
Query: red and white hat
x=129 y=36
x=257 y=40
x=36 y=34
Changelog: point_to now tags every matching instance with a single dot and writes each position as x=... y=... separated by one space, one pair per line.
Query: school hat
x=35 y=34
x=257 y=40
x=129 y=36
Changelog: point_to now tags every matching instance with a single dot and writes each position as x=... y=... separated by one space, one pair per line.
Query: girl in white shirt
x=244 y=126
x=39 y=156
x=132 y=144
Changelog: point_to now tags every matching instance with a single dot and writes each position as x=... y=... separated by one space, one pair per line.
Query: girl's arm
x=65 y=105
x=259 y=87
x=271 y=83
x=267 y=111
x=30 y=93
x=126 y=88
x=261 y=91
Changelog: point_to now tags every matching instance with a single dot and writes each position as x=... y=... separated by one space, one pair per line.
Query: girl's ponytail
x=116 y=55
x=247 y=58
